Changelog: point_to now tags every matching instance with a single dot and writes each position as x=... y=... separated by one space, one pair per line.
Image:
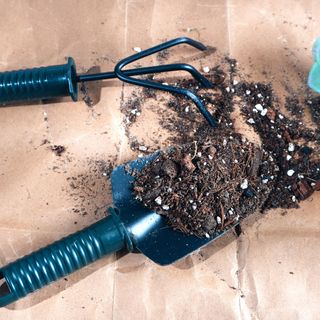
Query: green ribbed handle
x=39 y=83
x=59 y=259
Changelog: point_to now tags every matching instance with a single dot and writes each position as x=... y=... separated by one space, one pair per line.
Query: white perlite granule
x=244 y=184
x=290 y=172
x=137 y=49
x=291 y=147
x=206 y=69
x=259 y=107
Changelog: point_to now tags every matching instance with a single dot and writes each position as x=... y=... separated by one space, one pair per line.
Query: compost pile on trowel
x=207 y=184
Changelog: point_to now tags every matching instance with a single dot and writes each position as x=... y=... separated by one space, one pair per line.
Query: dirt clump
x=58 y=150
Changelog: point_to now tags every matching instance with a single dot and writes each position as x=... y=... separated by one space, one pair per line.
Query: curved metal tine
x=148 y=70
x=179 y=66
x=155 y=85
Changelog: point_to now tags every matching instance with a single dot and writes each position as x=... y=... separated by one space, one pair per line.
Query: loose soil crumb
x=58 y=149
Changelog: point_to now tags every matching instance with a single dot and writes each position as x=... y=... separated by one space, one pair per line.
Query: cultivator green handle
x=59 y=259
x=39 y=83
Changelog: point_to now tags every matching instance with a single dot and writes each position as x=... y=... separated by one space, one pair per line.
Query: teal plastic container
x=314 y=74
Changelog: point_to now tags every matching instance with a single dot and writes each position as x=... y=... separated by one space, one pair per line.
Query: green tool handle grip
x=39 y=83
x=59 y=259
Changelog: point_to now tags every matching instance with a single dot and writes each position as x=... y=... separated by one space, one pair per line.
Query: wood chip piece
x=303 y=190
x=187 y=162
x=271 y=114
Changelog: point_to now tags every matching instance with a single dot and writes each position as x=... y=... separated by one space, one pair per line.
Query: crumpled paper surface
x=269 y=272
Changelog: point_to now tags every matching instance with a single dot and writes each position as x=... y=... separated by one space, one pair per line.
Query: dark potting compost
x=210 y=178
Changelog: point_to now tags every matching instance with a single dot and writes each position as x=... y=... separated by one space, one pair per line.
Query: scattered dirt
x=292 y=146
x=88 y=189
x=131 y=109
x=163 y=56
x=294 y=107
x=86 y=96
x=314 y=106
x=90 y=92
x=288 y=170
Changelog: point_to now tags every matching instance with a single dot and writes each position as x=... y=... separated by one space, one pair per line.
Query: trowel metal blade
x=149 y=231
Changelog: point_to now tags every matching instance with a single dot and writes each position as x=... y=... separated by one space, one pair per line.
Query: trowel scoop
x=130 y=226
